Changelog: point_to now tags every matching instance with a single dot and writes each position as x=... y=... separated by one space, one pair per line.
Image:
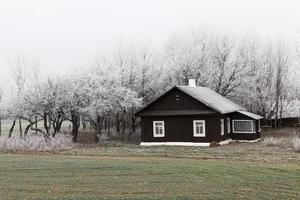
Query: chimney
x=192 y=82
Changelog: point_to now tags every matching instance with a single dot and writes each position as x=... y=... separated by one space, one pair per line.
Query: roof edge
x=250 y=114
x=155 y=100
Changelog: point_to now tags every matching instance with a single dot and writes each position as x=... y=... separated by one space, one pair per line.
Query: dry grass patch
x=271 y=141
x=35 y=143
x=296 y=144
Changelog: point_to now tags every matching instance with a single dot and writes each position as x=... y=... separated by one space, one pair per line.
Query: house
x=195 y=116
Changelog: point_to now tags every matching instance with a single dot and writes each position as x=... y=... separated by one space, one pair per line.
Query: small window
x=199 y=128
x=228 y=125
x=158 y=129
x=259 y=129
x=222 y=126
x=243 y=126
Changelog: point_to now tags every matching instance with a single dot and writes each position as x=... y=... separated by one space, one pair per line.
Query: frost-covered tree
x=217 y=61
x=105 y=96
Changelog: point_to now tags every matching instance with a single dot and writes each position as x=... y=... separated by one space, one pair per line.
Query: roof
x=251 y=115
x=177 y=112
x=206 y=96
x=211 y=99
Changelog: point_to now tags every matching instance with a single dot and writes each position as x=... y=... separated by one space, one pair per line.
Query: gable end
x=175 y=99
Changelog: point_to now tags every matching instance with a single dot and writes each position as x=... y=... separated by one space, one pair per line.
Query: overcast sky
x=65 y=33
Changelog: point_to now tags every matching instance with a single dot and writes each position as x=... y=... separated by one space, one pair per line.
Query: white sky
x=65 y=33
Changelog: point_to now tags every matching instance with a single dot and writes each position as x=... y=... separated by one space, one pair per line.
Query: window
x=222 y=126
x=228 y=125
x=243 y=126
x=258 y=125
x=199 y=128
x=158 y=129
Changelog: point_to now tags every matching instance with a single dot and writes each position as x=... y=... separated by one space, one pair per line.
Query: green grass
x=236 y=171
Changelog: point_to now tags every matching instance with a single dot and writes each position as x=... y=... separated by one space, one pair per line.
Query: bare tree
x=282 y=65
x=18 y=67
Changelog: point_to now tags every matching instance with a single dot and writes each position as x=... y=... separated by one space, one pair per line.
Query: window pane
x=158 y=124
x=160 y=131
x=242 y=126
x=197 y=129
x=157 y=130
x=199 y=123
x=201 y=129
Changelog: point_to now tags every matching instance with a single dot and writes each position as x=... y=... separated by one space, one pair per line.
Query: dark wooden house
x=195 y=116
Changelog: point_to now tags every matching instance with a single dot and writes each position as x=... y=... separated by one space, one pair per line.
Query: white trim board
x=196 y=144
x=162 y=126
x=247 y=141
x=193 y=144
x=195 y=134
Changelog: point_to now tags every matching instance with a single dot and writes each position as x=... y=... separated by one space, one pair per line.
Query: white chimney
x=192 y=82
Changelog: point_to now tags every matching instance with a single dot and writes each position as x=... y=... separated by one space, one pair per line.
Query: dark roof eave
x=179 y=113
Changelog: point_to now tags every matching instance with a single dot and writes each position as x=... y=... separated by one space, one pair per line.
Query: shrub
x=270 y=141
x=35 y=143
x=296 y=144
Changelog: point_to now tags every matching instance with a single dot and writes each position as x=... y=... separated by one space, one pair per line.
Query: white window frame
x=244 y=120
x=228 y=125
x=154 y=129
x=194 y=129
x=222 y=126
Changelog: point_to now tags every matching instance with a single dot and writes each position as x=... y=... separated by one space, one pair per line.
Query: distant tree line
x=109 y=89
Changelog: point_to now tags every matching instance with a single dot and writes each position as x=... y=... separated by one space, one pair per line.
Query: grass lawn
x=235 y=171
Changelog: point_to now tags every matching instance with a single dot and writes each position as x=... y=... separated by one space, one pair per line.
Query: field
x=6 y=125
x=120 y=171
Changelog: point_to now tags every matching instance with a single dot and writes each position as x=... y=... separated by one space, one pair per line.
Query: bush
x=296 y=144
x=36 y=143
x=270 y=141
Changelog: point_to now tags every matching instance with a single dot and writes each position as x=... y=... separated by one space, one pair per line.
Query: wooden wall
x=244 y=136
x=180 y=129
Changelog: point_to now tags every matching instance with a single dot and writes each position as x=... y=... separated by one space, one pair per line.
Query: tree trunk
x=46 y=124
x=36 y=124
x=75 y=133
x=108 y=126
x=20 y=127
x=97 y=135
x=75 y=119
x=83 y=124
x=98 y=128
x=118 y=124
x=12 y=128
x=132 y=130
x=123 y=129
x=28 y=127
x=57 y=125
